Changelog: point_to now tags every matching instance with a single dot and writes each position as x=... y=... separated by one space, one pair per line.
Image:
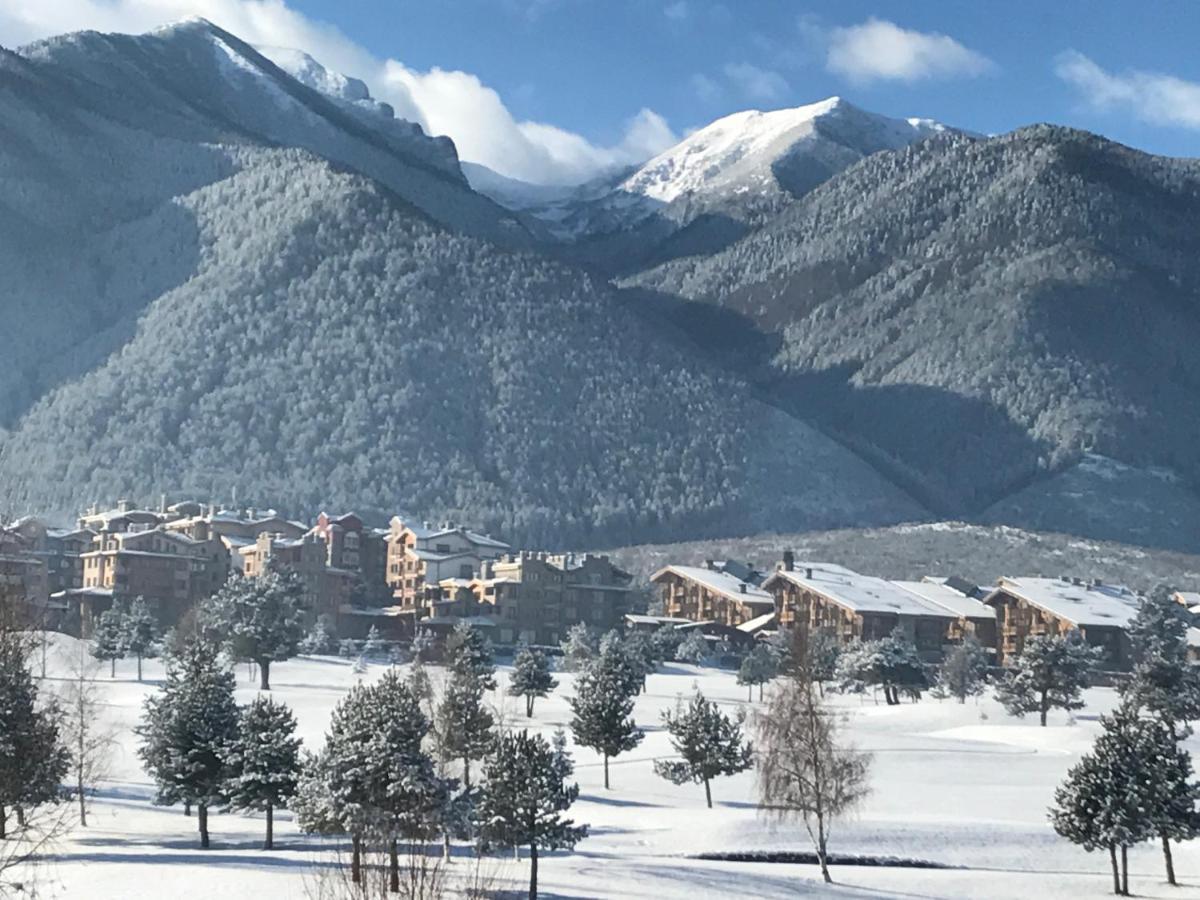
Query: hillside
x=972 y=314
x=332 y=347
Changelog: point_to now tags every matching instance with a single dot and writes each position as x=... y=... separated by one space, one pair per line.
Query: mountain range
x=233 y=270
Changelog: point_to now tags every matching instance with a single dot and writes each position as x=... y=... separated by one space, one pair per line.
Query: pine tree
x=187 y=729
x=1173 y=796
x=108 y=638
x=603 y=709
x=261 y=618
x=1105 y=801
x=323 y=639
x=1164 y=682
x=709 y=742
x=758 y=667
x=694 y=648
x=140 y=630
x=1049 y=673
x=531 y=677
x=264 y=762
x=348 y=648
x=381 y=784
x=34 y=758
x=424 y=646
x=579 y=648
x=470 y=653
x=418 y=681
x=665 y=641
x=963 y=672
x=824 y=650
x=641 y=652
x=891 y=663
x=524 y=796
x=374 y=645
x=780 y=644
x=463 y=721
x=313 y=803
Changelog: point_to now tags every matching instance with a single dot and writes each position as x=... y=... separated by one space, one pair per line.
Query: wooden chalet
x=710 y=595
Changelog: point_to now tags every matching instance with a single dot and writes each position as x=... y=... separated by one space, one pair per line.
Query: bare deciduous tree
x=805 y=771
x=88 y=736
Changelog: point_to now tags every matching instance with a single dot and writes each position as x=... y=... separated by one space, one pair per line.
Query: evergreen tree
x=374 y=645
x=424 y=646
x=108 y=637
x=323 y=639
x=579 y=648
x=313 y=803
x=418 y=681
x=780 y=644
x=665 y=641
x=264 y=762
x=891 y=663
x=34 y=758
x=1173 y=797
x=187 y=730
x=140 y=628
x=348 y=648
x=531 y=677
x=603 y=709
x=963 y=672
x=261 y=618
x=524 y=796
x=1164 y=682
x=824 y=651
x=470 y=653
x=1103 y=804
x=709 y=742
x=641 y=652
x=758 y=667
x=464 y=722
x=381 y=784
x=694 y=648
x=1049 y=673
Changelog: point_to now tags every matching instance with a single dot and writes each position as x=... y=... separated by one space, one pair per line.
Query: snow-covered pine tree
x=323 y=639
x=108 y=637
x=34 y=758
x=758 y=667
x=1164 y=682
x=469 y=652
x=424 y=646
x=261 y=618
x=464 y=722
x=531 y=677
x=694 y=649
x=1049 y=673
x=418 y=681
x=187 y=729
x=823 y=650
x=963 y=672
x=891 y=663
x=641 y=652
x=603 y=709
x=523 y=799
x=1104 y=803
x=374 y=645
x=709 y=743
x=579 y=648
x=1173 y=794
x=264 y=762
x=382 y=785
x=140 y=631
x=348 y=648
x=313 y=803
x=665 y=641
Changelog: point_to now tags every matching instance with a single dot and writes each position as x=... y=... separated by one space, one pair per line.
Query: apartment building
x=352 y=545
x=420 y=558
x=711 y=594
x=326 y=588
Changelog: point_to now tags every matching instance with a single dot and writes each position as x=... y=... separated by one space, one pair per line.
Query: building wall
x=1017 y=621
x=686 y=599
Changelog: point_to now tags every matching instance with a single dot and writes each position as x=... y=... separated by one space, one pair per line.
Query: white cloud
x=453 y=103
x=705 y=88
x=1150 y=96
x=756 y=83
x=878 y=50
x=677 y=11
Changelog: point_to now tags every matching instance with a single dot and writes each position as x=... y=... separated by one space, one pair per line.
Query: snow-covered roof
x=374 y=611
x=1080 y=604
x=720 y=583
x=940 y=594
x=1190 y=599
x=481 y=540
x=1193 y=637
x=859 y=593
x=758 y=623
x=637 y=619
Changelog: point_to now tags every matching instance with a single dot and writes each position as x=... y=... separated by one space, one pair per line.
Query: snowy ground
x=958 y=784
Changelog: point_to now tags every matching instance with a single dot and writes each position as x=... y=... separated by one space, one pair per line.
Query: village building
x=710 y=594
x=420 y=558
x=169 y=571
x=1026 y=607
x=226 y=532
x=24 y=583
x=326 y=588
x=854 y=607
x=352 y=545
x=974 y=618
x=122 y=517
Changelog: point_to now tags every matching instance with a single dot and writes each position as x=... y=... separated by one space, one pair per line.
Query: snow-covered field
x=963 y=785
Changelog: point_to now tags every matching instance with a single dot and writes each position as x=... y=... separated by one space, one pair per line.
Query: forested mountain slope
x=334 y=348
x=974 y=313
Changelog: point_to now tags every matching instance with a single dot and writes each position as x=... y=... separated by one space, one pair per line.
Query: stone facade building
x=326 y=588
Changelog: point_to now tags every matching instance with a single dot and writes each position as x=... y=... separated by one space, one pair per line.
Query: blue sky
x=588 y=65
x=558 y=90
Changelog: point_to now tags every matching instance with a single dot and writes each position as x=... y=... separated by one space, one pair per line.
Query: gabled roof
x=858 y=593
x=1079 y=604
x=758 y=623
x=719 y=583
x=940 y=594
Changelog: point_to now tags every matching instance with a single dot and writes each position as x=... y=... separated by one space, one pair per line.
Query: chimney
x=789 y=560
x=122 y=506
x=808 y=573
x=741 y=587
